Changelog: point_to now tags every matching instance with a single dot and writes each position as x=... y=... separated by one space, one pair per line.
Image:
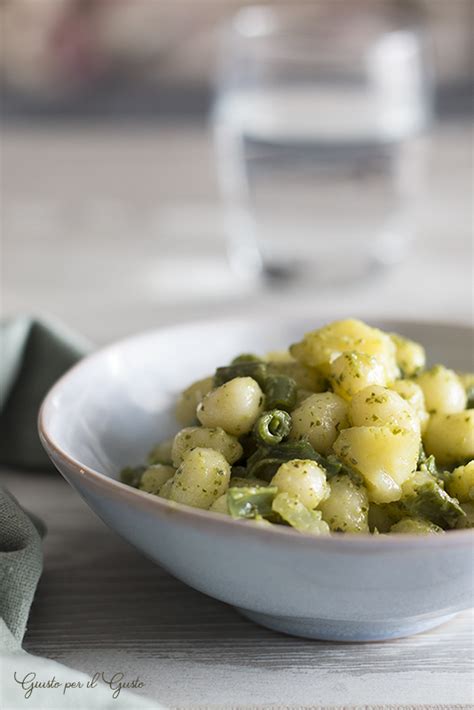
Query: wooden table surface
x=101 y=606
x=70 y=211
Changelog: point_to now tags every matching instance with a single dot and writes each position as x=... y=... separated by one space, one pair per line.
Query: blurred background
x=163 y=161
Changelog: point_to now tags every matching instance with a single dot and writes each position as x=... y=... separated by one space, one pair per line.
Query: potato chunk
x=384 y=456
x=320 y=347
x=379 y=406
x=352 y=371
x=461 y=483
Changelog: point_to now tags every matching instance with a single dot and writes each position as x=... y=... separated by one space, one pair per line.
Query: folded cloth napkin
x=20 y=570
x=33 y=355
x=20 y=566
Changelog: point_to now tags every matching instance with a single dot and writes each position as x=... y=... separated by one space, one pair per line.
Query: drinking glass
x=318 y=118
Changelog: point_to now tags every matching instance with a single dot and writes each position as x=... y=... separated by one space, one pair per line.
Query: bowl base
x=341 y=630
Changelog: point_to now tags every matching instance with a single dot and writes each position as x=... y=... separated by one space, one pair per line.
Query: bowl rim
x=206 y=518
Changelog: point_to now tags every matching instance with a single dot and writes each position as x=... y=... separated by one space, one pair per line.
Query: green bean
x=280 y=392
x=256 y=370
x=131 y=475
x=430 y=501
x=430 y=466
x=266 y=460
x=251 y=502
x=428 y=463
x=422 y=455
x=272 y=427
x=245 y=357
x=238 y=472
x=333 y=466
x=248 y=444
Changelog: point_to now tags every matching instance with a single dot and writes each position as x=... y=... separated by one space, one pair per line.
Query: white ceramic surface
x=108 y=411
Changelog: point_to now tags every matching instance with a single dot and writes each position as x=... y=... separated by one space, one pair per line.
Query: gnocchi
x=216 y=438
x=189 y=399
x=346 y=432
x=318 y=419
x=410 y=356
x=154 y=477
x=346 y=508
x=304 y=479
x=443 y=390
x=413 y=394
x=201 y=479
x=234 y=406
x=450 y=437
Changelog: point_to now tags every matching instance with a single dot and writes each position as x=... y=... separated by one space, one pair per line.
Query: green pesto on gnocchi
x=347 y=431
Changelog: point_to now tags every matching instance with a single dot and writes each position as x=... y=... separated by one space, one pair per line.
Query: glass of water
x=318 y=118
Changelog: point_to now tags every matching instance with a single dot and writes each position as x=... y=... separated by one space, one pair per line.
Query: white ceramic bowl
x=108 y=411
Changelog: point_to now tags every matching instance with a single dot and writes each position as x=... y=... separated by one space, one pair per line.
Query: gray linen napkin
x=33 y=355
